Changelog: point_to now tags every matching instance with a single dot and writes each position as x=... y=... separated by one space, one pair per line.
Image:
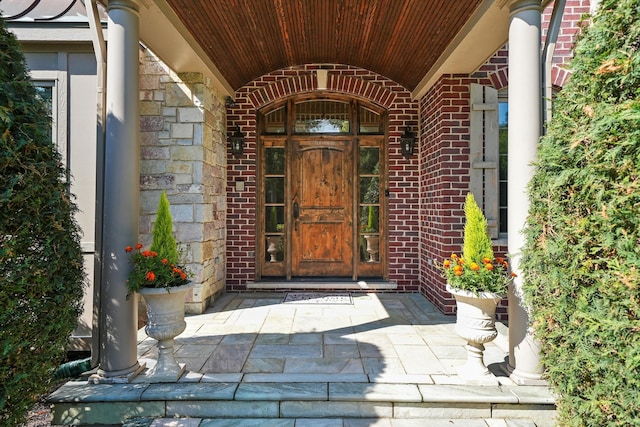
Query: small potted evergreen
x=478 y=281
x=163 y=283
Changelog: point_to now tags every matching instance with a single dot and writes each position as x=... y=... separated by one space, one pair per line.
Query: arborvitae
x=477 y=242
x=581 y=263
x=163 y=241
x=41 y=269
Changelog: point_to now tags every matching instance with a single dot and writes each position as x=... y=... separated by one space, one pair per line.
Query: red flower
x=165 y=261
x=150 y=276
x=446 y=263
x=128 y=249
x=138 y=245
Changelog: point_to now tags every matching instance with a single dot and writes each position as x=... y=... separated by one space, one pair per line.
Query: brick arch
x=308 y=83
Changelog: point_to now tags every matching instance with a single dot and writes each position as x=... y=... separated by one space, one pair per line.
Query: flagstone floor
x=367 y=338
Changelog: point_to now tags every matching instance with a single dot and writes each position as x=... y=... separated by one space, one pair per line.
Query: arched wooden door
x=321 y=185
x=322 y=208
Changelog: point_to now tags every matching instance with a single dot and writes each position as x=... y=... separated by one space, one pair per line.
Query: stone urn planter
x=165 y=313
x=475 y=323
x=373 y=247
x=273 y=242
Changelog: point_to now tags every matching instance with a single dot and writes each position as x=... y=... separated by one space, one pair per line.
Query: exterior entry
x=321 y=189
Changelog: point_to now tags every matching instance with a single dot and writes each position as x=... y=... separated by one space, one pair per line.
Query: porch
x=382 y=359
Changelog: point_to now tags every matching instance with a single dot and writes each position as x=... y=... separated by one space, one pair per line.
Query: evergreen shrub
x=477 y=270
x=41 y=270
x=163 y=241
x=581 y=263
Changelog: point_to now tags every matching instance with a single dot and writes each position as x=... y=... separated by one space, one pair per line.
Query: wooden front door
x=322 y=207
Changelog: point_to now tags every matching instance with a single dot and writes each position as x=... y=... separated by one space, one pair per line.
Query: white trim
x=58 y=81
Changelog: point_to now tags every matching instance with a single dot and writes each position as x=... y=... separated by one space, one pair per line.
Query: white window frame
x=56 y=80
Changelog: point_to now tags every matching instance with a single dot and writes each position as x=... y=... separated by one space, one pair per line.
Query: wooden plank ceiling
x=400 y=39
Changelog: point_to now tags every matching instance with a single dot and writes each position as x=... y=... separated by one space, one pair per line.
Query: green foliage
x=582 y=257
x=150 y=270
x=273 y=219
x=477 y=270
x=158 y=267
x=477 y=242
x=163 y=241
x=41 y=270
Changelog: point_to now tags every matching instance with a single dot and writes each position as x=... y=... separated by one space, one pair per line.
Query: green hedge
x=41 y=273
x=581 y=263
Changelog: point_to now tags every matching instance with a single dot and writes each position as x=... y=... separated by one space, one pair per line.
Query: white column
x=525 y=123
x=118 y=316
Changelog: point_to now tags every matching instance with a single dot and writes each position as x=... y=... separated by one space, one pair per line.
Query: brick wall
x=183 y=153
x=444 y=154
x=403 y=174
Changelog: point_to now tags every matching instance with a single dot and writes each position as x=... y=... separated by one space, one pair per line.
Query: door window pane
x=369 y=160
x=322 y=117
x=274 y=190
x=275 y=121
x=274 y=161
x=369 y=189
x=370 y=121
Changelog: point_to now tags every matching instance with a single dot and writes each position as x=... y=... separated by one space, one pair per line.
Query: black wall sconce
x=237 y=142
x=407 y=143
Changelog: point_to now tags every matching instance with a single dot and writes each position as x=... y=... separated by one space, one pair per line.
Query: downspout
x=547 y=60
x=100 y=50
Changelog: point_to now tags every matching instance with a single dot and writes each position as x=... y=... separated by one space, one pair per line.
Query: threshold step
x=322 y=285
x=327 y=422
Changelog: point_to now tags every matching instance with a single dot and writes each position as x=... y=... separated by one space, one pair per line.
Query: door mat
x=318 y=298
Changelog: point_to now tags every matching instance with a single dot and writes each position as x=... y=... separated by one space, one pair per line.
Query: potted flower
x=478 y=281
x=163 y=283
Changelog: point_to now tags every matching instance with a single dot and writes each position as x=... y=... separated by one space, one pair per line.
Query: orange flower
x=460 y=261
x=458 y=272
x=514 y=275
x=486 y=260
x=138 y=245
x=454 y=256
x=183 y=276
x=146 y=254
x=128 y=249
x=457 y=268
x=474 y=266
x=150 y=276
x=165 y=261
x=446 y=263
x=489 y=267
x=154 y=253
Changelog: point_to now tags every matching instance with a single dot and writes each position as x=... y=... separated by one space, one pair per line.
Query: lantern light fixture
x=407 y=143
x=237 y=142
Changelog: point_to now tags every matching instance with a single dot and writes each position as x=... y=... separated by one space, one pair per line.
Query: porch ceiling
x=401 y=39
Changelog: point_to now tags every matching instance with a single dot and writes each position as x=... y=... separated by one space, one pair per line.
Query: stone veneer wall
x=403 y=174
x=182 y=126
